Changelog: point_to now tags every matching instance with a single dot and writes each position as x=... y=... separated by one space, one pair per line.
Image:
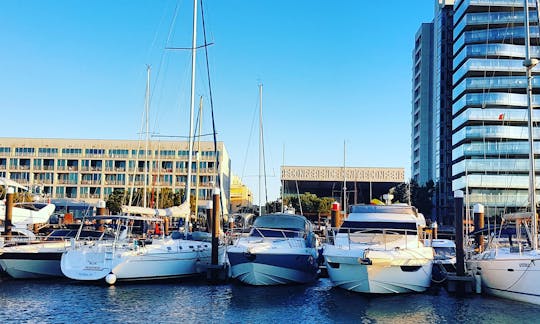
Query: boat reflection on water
x=194 y=301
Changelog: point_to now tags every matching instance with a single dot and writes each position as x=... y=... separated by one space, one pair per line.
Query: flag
x=501 y=116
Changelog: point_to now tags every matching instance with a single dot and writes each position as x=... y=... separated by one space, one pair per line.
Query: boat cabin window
x=446 y=252
x=379 y=227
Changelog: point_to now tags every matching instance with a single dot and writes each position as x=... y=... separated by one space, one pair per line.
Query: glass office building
x=490 y=148
x=422 y=114
x=431 y=142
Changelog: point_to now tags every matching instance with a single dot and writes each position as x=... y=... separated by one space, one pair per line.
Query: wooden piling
x=478 y=212
x=9 y=212
x=215 y=226
x=460 y=252
x=335 y=215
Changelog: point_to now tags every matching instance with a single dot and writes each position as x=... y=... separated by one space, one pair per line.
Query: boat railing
x=373 y=236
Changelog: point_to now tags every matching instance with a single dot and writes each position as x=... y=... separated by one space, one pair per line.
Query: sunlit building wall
x=90 y=170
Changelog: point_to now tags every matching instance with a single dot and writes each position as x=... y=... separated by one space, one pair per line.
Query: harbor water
x=195 y=301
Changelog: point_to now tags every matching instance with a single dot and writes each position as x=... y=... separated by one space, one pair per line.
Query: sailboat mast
x=198 y=159
x=530 y=64
x=147 y=109
x=344 y=182
x=191 y=110
x=261 y=157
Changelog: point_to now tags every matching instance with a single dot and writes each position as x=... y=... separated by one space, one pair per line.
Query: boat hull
x=262 y=269
x=511 y=278
x=31 y=265
x=152 y=262
x=378 y=276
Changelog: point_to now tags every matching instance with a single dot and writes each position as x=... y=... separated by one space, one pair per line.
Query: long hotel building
x=90 y=170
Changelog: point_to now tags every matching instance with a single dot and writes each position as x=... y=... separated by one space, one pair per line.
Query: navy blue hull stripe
x=304 y=263
x=31 y=256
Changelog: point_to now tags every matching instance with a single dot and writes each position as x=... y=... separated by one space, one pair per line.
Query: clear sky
x=333 y=72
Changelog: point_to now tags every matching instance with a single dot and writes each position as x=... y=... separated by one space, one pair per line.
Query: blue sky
x=332 y=71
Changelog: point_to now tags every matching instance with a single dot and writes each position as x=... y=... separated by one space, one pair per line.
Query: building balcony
x=91 y=182
x=115 y=182
x=43 y=181
x=65 y=181
x=3 y=167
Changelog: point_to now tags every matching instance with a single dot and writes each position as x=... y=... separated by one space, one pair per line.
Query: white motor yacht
x=280 y=249
x=378 y=249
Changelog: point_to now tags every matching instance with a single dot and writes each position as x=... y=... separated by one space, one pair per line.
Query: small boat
x=378 y=250
x=127 y=258
x=280 y=249
x=444 y=261
x=40 y=259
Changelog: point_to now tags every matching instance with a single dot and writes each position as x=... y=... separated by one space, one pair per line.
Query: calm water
x=194 y=301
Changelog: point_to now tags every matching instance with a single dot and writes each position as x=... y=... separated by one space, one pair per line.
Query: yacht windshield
x=279 y=226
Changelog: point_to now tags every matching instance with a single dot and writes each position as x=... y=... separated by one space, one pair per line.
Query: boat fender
x=110 y=279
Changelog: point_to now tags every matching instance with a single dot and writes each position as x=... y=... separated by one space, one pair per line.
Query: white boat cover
x=181 y=211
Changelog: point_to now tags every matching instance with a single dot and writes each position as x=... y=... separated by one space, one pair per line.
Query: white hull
x=377 y=278
x=515 y=277
x=162 y=259
x=31 y=269
x=379 y=271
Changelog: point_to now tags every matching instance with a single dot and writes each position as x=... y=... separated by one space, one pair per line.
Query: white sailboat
x=178 y=255
x=512 y=270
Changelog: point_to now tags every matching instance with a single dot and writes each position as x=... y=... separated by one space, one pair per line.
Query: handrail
x=384 y=231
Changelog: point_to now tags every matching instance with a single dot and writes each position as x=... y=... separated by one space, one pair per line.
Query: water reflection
x=194 y=301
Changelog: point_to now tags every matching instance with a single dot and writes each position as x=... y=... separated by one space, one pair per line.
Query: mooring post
x=478 y=212
x=460 y=252
x=215 y=227
x=209 y=217
x=335 y=215
x=101 y=210
x=9 y=212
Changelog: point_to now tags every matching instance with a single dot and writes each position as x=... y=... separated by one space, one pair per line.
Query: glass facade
x=422 y=114
x=490 y=148
x=432 y=104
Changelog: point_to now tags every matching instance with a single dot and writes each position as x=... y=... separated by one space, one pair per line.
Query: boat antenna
x=530 y=64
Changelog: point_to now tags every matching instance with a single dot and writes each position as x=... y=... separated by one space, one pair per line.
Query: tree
x=115 y=201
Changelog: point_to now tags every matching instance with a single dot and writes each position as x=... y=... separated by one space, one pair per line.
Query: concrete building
x=361 y=184
x=89 y=170
x=241 y=196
